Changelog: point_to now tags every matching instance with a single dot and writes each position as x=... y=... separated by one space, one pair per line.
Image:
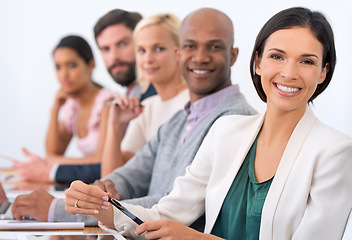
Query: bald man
x=207 y=38
x=206 y=55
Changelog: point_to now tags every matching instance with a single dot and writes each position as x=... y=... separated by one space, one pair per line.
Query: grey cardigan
x=150 y=174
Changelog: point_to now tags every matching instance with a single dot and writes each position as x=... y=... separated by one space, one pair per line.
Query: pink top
x=88 y=145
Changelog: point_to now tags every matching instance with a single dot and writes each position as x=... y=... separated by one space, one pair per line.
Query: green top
x=240 y=214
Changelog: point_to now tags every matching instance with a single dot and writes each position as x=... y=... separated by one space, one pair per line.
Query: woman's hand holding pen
x=124 y=110
x=108 y=186
x=91 y=200
x=86 y=199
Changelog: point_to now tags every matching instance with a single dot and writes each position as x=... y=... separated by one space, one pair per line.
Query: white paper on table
x=18 y=235
x=47 y=235
x=35 y=225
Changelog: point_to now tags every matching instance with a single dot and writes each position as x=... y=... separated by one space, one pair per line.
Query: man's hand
x=35 y=205
x=35 y=170
x=109 y=187
x=128 y=109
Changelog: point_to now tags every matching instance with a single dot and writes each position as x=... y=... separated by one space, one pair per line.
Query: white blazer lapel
x=288 y=159
x=219 y=194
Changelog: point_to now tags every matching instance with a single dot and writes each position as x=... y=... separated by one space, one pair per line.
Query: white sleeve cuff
x=53 y=171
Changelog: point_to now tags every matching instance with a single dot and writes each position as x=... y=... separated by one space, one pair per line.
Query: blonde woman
x=156 y=46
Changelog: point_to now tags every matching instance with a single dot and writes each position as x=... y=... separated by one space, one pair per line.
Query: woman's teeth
x=287 y=89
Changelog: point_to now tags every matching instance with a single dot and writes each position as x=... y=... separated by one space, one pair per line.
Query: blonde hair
x=166 y=20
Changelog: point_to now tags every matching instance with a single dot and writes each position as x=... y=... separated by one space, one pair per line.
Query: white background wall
x=30 y=30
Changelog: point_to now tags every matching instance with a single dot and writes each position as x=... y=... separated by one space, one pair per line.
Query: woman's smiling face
x=156 y=54
x=291 y=68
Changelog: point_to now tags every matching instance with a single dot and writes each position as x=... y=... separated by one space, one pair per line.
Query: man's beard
x=124 y=78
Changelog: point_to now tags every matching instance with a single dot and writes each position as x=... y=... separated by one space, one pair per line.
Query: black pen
x=117 y=105
x=118 y=205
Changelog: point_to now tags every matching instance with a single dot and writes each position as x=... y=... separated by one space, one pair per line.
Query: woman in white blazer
x=279 y=175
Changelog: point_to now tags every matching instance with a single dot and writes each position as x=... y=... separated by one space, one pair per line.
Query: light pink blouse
x=69 y=112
